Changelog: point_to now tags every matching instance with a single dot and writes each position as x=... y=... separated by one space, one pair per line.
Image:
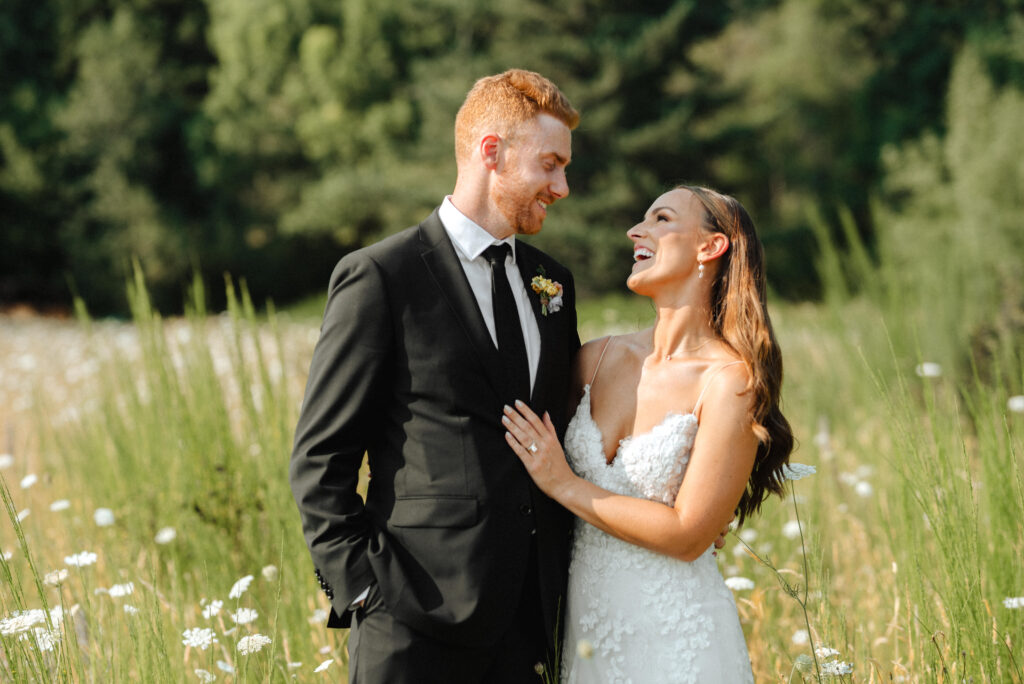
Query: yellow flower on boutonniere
x=550 y=292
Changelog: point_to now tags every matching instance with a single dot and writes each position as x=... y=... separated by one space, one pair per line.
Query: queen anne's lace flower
x=1014 y=602
x=323 y=666
x=825 y=652
x=29 y=480
x=797 y=471
x=836 y=668
x=199 y=637
x=739 y=583
x=244 y=616
x=56 y=578
x=205 y=676
x=165 y=535
x=1016 y=403
x=45 y=639
x=239 y=587
x=791 y=530
x=212 y=608
x=252 y=644
x=104 y=517
x=121 y=590
x=60 y=505
x=80 y=560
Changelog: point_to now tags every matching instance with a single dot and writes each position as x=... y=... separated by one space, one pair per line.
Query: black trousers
x=383 y=650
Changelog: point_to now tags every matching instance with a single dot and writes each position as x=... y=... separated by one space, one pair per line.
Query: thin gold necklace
x=668 y=357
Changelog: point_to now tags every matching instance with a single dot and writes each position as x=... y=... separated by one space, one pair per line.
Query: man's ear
x=490 y=146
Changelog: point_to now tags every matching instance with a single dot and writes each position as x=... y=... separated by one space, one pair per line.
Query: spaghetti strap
x=600 y=359
x=696 y=407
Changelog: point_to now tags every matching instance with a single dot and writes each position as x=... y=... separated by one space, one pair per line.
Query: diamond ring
x=533 y=447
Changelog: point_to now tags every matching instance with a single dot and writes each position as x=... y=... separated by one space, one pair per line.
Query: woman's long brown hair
x=739 y=315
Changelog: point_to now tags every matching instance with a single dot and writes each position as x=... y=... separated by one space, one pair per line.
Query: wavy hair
x=739 y=315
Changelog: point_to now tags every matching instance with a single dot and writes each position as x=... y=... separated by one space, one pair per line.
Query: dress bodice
x=648 y=465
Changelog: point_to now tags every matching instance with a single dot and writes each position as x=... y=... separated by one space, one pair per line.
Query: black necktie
x=506 y=323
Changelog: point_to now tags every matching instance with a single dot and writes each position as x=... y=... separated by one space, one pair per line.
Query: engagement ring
x=533 y=447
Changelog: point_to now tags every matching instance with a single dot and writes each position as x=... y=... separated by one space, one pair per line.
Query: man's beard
x=517 y=209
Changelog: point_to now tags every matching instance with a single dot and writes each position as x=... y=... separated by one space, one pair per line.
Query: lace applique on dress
x=651 y=619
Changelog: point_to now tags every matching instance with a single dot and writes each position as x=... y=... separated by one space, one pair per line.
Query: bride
x=677 y=430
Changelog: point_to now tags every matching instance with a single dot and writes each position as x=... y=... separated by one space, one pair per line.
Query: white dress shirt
x=470 y=241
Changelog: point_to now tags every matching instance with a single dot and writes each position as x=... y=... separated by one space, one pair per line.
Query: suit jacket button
x=525 y=509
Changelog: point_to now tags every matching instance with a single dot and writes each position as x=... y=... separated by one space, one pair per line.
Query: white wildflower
x=80 y=560
x=56 y=578
x=121 y=590
x=791 y=530
x=323 y=666
x=739 y=583
x=8 y=555
x=928 y=370
x=324 y=650
x=104 y=517
x=319 y=616
x=23 y=513
x=836 y=668
x=252 y=644
x=45 y=639
x=21 y=621
x=244 y=616
x=239 y=587
x=165 y=535
x=1014 y=602
x=748 y=535
x=6 y=461
x=295 y=665
x=797 y=471
x=205 y=676
x=212 y=608
x=1016 y=403
x=225 y=666
x=199 y=637
x=129 y=609
x=864 y=489
x=60 y=505
x=270 y=573
x=29 y=480
x=825 y=652
x=800 y=637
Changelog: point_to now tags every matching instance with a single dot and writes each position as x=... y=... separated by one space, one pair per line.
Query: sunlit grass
x=182 y=429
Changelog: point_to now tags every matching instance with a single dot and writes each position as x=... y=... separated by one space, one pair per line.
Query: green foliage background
x=267 y=137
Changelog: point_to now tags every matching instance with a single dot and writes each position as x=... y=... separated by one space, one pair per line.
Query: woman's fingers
x=520 y=429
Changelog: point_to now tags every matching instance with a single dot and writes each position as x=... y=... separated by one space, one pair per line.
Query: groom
x=454 y=568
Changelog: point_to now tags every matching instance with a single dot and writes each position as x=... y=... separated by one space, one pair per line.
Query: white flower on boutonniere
x=550 y=292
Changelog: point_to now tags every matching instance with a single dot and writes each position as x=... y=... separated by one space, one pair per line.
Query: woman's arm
x=716 y=476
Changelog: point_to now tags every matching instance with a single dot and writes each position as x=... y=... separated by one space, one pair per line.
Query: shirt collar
x=468 y=237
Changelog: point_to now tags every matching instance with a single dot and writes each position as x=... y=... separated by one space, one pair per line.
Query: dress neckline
x=628 y=438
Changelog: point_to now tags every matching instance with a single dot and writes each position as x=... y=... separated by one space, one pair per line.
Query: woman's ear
x=714 y=246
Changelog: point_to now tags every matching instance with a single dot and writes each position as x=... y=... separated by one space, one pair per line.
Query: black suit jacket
x=406 y=371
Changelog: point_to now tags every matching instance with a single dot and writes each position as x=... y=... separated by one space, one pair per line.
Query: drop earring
x=700 y=269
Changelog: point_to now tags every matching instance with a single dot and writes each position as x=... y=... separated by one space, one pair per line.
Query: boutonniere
x=550 y=292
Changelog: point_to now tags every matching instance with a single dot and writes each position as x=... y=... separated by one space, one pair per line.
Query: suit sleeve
x=346 y=379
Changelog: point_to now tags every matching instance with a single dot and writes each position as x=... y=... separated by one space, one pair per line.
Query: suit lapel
x=443 y=263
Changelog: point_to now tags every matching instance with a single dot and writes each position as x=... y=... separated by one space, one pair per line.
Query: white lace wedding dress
x=649 y=618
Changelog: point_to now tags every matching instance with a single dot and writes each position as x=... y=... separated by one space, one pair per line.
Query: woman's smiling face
x=666 y=242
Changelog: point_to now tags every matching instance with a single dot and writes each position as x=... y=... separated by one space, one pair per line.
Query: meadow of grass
x=151 y=536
